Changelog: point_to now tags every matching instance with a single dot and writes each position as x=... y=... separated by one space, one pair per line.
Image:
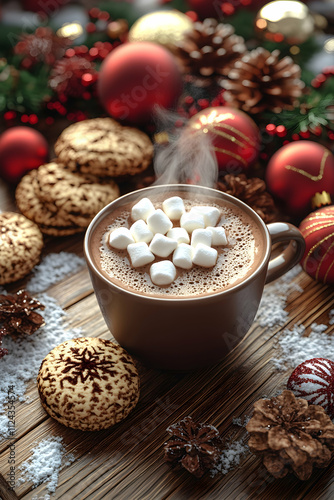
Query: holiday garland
x=59 y=79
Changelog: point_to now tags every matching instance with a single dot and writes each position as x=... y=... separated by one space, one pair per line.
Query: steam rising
x=189 y=158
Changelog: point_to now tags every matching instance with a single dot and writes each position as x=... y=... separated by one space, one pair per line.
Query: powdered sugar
x=241 y=421
x=52 y=269
x=272 y=307
x=25 y=355
x=331 y=317
x=47 y=460
x=295 y=347
x=230 y=457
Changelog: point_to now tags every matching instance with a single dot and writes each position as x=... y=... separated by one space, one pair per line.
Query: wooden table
x=126 y=461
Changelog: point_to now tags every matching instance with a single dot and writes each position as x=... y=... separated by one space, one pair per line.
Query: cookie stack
x=62 y=197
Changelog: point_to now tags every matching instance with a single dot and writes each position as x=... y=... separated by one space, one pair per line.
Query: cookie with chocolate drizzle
x=88 y=383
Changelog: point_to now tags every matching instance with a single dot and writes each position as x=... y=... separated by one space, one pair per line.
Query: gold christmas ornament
x=285 y=21
x=166 y=27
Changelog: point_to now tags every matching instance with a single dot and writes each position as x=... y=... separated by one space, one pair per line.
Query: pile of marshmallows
x=153 y=235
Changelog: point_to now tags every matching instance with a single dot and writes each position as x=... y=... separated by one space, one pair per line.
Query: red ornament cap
x=313 y=380
x=297 y=171
x=235 y=137
x=318 y=232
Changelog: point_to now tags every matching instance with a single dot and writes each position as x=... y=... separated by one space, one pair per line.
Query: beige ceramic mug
x=191 y=332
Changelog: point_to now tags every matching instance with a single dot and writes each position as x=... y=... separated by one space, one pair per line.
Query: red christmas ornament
x=21 y=149
x=313 y=380
x=42 y=6
x=206 y=8
x=318 y=232
x=137 y=77
x=299 y=173
x=235 y=137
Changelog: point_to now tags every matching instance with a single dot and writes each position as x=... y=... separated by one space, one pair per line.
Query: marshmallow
x=120 y=238
x=192 y=220
x=201 y=236
x=162 y=246
x=141 y=232
x=204 y=256
x=210 y=214
x=158 y=222
x=163 y=272
x=173 y=207
x=218 y=235
x=142 y=209
x=179 y=234
x=140 y=254
x=182 y=256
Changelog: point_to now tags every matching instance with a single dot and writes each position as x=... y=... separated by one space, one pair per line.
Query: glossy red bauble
x=313 y=380
x=135 y=79
x=297 y=171
x=234 y=135
x=43 y=6
x=318 y=232
x=206 y=8
x=21 y=149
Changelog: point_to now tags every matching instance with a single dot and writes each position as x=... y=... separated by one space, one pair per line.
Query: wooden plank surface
x=126 y=461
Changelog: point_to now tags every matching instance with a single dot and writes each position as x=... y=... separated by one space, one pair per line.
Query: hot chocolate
x=187 y=324
x=236 y=260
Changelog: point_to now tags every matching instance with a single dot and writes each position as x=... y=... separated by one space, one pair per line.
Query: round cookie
x=21 y=243
x=88 y=383
x=62 y=202
x=105 y=148
x=51 y=223
x=79 y=197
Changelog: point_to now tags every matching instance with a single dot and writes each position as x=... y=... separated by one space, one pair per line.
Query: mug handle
x=291 y=255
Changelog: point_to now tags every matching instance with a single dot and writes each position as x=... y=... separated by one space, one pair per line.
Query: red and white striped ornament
x=318 y=232
x=313 y=380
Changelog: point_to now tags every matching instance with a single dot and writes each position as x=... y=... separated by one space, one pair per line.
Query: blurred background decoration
x=51 y=54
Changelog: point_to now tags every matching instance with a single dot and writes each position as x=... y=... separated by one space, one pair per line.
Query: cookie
x=79 y=197
x=51 y=223
x=62 y=202
x=105 y=148
x=21 y=243
x=88 y=383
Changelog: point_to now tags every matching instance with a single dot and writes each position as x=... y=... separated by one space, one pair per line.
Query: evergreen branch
x=313 y=111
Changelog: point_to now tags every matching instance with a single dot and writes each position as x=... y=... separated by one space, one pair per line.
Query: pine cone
x=253 y=192
x=195 y=446
x=290 y=435
x=17 y=314
x=209 y=51
x=261 y=81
